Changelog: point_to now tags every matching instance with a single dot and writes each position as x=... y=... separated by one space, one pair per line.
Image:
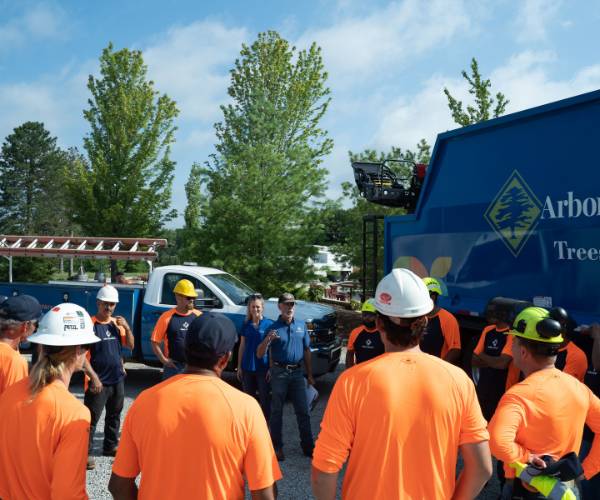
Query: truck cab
x=221 y=292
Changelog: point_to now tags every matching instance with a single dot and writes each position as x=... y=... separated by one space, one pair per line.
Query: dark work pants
x=257 y=381
x=111 y=397
x=284 y=382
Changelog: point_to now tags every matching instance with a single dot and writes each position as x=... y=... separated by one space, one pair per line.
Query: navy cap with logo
x=286 y=298
x=211 y=332
x=20 y=308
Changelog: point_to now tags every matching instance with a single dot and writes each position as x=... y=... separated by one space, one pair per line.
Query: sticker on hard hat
x=56 y=309
x=385 y=298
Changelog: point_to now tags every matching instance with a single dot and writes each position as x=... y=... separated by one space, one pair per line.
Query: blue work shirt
x=254 y=335
x=105 y=356
x=293 y=339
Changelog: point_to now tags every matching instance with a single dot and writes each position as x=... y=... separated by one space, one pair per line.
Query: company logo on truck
x=514 y=213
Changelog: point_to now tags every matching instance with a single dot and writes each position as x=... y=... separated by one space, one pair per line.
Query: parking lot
x=295 y=484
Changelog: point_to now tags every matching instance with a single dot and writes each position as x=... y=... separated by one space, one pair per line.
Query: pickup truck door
x=209 y=299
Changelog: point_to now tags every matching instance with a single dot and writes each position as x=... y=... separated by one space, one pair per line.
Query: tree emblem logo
x=514 y=213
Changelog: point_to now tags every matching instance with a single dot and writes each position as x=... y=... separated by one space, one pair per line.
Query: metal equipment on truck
x=142 y=304
x=505 y=209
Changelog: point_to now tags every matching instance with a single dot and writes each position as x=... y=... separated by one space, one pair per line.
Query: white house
x=326 y=263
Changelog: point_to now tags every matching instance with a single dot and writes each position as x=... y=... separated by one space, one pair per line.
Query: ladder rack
x=83 y=247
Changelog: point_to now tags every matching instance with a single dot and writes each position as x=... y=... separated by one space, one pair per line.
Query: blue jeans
x=257 y=381
x=284 y=382
x=169 y=372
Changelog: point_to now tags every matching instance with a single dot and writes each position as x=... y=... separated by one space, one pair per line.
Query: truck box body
x=218 y=291
x=511 y=207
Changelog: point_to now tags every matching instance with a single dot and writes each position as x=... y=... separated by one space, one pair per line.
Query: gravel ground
x=295 y=484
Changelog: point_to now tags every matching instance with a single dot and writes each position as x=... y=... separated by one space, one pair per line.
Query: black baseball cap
x=21 y=308
x=211 y=332
x=286 y=297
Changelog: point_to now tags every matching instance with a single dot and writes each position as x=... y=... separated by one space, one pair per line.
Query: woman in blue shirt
x=252 y=371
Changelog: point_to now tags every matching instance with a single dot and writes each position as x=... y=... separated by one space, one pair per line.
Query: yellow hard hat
x=536 y=323
x=433 y=285
x=368 y=306
x=186 y=288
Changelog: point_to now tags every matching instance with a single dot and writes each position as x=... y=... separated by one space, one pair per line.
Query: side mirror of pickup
x=208 y=303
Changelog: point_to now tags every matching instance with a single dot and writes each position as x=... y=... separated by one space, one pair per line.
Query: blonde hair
x=253 y=299
x=50 y=366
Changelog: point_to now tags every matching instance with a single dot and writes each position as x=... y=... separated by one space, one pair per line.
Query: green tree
x=124 y=188
x=267 y=173
x=32 y=173
x=484 y=108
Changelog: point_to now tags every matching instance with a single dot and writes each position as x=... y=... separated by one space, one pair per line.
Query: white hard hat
x=108 y=293
x=65 y=325
x=403 y=294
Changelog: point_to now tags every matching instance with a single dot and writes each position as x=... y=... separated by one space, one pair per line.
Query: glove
x=549 y=486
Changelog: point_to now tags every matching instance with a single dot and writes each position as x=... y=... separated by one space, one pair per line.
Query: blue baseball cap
x=21 y=308
x=211 y=332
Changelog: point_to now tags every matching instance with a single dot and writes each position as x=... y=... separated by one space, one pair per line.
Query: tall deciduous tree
x=484 y=108
x=124 y=189
x=267 y=170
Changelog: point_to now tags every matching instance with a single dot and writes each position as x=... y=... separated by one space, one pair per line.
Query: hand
x=239 y=373
x=120 y=320
x=272 y=335
x=95 y=385
x=169 y=363
x=310 y=380
x=536 y=461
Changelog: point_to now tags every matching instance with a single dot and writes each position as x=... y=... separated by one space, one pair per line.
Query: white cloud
x=42 y=21
x=355 y=47
x=524 y=79
x=191 y=63
x=533 y=18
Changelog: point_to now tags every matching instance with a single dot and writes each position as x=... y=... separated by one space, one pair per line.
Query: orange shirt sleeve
x=473 y=428
x=127 y=463
x=591 y=464
x=479 y=347
x=353 y=334
x=505 y=424
x=450 y=331
x=160 y=329
x=508 y=346
x=68 y=473
x=576 y=364
x=260 y=463
x=337 y=431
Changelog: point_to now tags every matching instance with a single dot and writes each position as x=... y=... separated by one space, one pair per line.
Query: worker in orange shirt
x=442 y=335
x=571 y=359
x=400 y=419
x=194 y=435
x=544 y=415
x=19 y=316
x=364 y=342
x=171 y=328
x=43 y=427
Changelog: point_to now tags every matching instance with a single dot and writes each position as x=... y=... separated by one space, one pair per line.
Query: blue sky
x=387 y=61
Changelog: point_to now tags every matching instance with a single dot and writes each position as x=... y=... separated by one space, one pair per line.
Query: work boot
x=91 y=464
x=279 y=454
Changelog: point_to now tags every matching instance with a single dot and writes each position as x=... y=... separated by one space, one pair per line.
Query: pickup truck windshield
x=232 y=287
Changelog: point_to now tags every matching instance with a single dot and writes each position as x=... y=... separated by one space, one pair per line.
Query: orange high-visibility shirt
x=572 y=360
x=13 y=366
x=44 y=443
x=399 y=420
x=544 y=415
x=195 y=436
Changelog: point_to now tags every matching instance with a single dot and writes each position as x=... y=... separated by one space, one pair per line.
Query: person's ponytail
x=50 y=366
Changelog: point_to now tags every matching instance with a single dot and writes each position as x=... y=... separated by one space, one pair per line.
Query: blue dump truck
x=508 y=207
x=141 y=305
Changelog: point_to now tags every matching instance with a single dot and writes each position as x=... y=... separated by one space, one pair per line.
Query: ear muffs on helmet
x=548 y=328
x=559 y=314
x=521 y=326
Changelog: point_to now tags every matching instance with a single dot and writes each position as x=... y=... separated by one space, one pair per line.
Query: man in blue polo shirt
x=289 y=345
x=104 y=368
